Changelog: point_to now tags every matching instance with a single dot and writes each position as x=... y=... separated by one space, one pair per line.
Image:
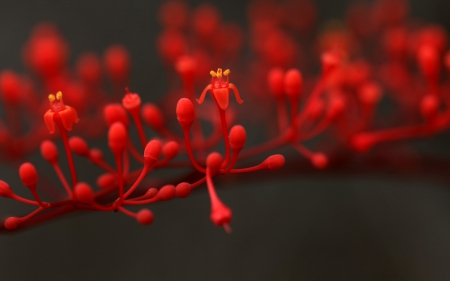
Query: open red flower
x=58 y=109
x=221 y=89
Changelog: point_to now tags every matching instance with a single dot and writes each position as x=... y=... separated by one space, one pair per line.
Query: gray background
x=340 y=225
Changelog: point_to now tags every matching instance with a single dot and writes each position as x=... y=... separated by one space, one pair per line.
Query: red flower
x=220 y=89
x=58 y=110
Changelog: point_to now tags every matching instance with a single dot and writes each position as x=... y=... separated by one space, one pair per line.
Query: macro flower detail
x=220 y=89
x=325 y=107
x=59 y=111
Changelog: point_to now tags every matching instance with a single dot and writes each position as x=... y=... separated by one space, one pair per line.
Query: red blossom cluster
x=375 y=54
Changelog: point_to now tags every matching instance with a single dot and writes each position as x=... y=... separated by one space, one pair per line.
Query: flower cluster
x=375 y=55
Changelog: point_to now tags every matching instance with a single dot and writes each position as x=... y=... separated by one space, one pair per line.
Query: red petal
x=48 y=119
x=222 y=97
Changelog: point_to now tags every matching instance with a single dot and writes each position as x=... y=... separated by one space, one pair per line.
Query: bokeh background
x=331 y=225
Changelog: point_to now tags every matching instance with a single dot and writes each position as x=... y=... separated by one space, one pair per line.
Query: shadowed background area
x=309 y=226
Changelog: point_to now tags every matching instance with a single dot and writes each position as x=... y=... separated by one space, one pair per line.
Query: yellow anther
x=219 y=73
x=226 y=72
x=213 y=73
x=51 y=97
x=59 y=95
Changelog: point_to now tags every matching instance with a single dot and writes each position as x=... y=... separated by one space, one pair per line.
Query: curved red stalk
x=65 y=140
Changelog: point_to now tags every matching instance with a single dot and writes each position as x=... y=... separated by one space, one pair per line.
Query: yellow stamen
x=59 y=95
x=213 y=73
x=219 y=73
x=51 y=97
x=226 y=72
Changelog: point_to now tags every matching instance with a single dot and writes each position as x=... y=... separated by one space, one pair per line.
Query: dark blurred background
x=313 y=226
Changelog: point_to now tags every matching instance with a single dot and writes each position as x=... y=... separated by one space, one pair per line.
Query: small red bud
x=185 y=112
x=117 y=137
x=275 y=162
x=275 y=78
x=151 y=192
x=182 y=190
x=83 y=192
x=319 y=160
x=152 y=116
x=28 y=175
x=171 y=45
x=10 y=87
x=171 y=149
x=89 y=68
x=49 y=151
x=107 y=181
x=117 y=61
x=167 y=192
x=153 y=150
x=96 y=155
x=5 y=190
x=206 y=20
x=145 y=217
x=213 y=162
x=186 y=67
x=429 y=61
x=115 y=113
x=79 y=146
x=293 y=83
x=131 y=101
x=238 y=137
x=11 y=223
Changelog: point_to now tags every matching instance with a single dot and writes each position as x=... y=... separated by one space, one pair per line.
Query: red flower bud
x=117 y=137
x=213 y=162
x=96 y=155
x=152 y=116
x=167 y=192
x=319 y=160
x=185 y=112
x=131 y=101
x=151 y=192
x=186 y=67
x=28 y=175
x=10 y=87
x=117 y=61
x=293 y=83
x=275 y=78
x=275 y=162
x=171 y=149
x=238 y=137
x=83 y=192
x=11 y=223
x=107 y=181
x=79 y=146
x=183 y=190
x=115 y=113
x=89 y=68
x=5 y=190
x=144 y=217
x=152 y=150
x=49 y=151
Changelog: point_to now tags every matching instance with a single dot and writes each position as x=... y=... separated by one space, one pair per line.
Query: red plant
x=333 y=111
